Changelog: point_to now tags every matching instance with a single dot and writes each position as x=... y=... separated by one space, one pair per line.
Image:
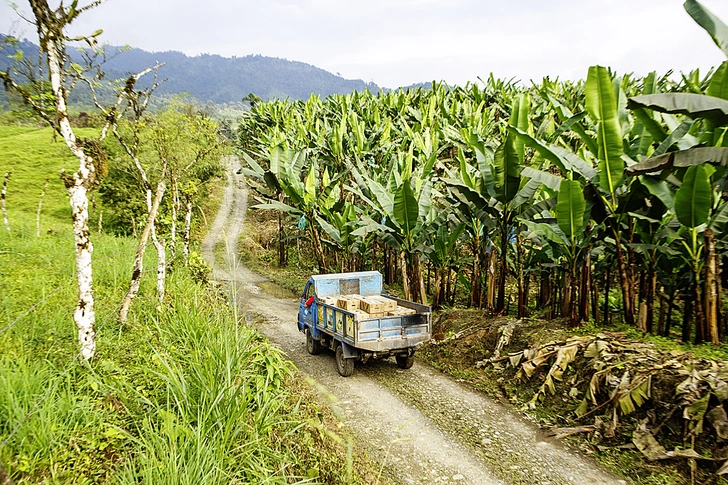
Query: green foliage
x=601 y=104
x=570 y=209
x=712 y=24
x=181 y=138
x=693 y=198
x=184 y=396
x=198 y=268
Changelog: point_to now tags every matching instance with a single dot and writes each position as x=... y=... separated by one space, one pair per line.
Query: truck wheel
x=345 y=366
x=312 y=345
x=405 y=361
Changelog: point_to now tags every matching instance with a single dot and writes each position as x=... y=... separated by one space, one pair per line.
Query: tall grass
x=186 y=394
x=221 y=411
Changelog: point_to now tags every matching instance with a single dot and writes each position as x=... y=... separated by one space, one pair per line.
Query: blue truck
x=329 y=322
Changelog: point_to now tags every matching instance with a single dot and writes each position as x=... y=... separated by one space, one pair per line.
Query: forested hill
x=220 y=79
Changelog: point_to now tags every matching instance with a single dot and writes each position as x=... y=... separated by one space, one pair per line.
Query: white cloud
x=399 y=42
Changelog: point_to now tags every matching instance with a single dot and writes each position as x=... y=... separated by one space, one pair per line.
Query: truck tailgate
x=392 y=332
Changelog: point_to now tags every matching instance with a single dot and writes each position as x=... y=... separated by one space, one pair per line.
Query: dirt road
x=423 y=427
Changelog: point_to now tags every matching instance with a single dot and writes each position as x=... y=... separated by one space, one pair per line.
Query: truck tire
x=343 y=365
x=405 y=361
x=312 y=345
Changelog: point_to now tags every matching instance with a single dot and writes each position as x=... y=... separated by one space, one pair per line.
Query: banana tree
x=307 y=192
x=569 y=239
x=699 y=211
x=441 y=250
x=492 y=188
x=339 y=222
x=403 y=200
x=695 y=205
x=266 y=182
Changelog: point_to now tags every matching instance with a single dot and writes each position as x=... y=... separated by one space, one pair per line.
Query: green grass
x=187 y=393
x=33 y=157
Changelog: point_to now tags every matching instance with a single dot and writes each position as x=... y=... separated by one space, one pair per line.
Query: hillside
x=219 y=79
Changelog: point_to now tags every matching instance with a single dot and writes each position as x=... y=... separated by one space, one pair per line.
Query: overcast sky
x=401 y=42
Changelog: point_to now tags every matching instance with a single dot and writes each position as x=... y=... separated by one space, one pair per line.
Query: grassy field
x=187 y=393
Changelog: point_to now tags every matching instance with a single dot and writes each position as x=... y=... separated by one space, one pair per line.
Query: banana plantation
x=599 y=200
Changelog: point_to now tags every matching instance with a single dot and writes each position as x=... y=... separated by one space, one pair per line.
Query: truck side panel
x=337 y=322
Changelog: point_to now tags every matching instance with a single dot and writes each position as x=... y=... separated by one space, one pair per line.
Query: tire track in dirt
x=423 y=427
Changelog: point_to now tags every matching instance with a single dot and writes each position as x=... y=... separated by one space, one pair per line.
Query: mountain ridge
x=214 y=78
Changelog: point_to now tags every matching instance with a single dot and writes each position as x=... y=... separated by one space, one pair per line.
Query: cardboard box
x=329 y=300
x=378 y=315
x=389 y=304
x=402 y=311
x=347 y=303
x=371 y=304
x=361 y=315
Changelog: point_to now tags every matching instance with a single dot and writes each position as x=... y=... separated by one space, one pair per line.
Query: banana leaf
x=681 y=159
x=567 y=125
x=661 y=190
x=548 y=232
x=601 y=104
x=712 y=24
x=405 y=208
x=676 y=135
x=693 y=198
x=718 y=86
x=509 y=155
x=689 y=104
x=332 y=232
x=548 y=179
x=279 y=206
x=570 y=209
x=561 y=157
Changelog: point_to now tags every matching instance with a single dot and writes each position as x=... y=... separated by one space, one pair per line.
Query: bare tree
x=137 y=102
x=64 y=74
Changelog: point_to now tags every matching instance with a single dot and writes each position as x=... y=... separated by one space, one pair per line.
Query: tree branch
x=9 y=83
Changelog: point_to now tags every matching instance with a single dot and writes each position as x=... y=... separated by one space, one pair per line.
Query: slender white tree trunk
x=188 y=225
x=175 y=208
x=40 y=206
x=84 y=314
x=77 y=186
x=138 y=267
x=161 y=256
x=2 y=199
x=161 y=266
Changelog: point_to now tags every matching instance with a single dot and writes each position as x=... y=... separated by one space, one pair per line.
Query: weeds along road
x=420 y=425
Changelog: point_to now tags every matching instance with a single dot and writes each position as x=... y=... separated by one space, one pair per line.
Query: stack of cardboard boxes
x=368 y=306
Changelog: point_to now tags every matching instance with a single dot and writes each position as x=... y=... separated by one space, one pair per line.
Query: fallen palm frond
x=608 y=376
